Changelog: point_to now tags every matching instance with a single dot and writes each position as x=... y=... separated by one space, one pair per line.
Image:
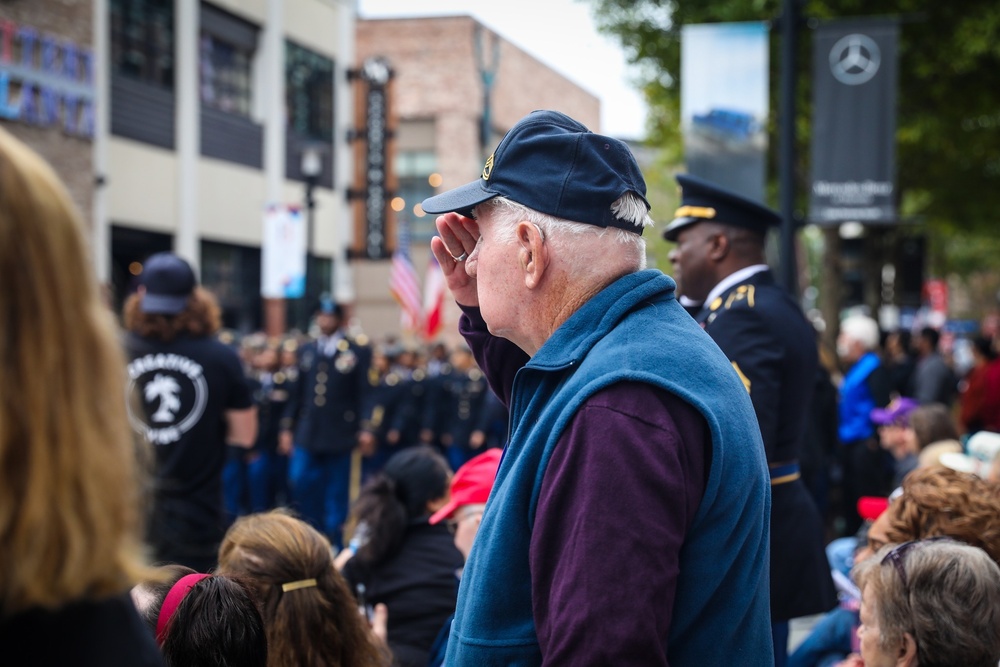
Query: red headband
x=172 y=601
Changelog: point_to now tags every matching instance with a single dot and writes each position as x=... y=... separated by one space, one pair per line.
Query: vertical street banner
x=283 y=253
x=376 y=73
x=854 y=122
x=724 y=104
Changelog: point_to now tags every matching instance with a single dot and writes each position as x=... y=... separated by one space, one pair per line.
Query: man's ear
x=532 y=252
x=907 y=651
x=719 y=246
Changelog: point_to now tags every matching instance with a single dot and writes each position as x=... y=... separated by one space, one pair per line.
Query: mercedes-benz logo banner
x=854 y=122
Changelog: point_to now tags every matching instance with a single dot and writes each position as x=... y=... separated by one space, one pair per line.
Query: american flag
x=434 y=288
x=403 y=281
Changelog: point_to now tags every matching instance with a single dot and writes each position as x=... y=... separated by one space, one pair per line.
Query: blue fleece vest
x=633 y=330
x=856 y=401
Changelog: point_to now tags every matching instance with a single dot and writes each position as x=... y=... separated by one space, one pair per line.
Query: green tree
x=948 y=122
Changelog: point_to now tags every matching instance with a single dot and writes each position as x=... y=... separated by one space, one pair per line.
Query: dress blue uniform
x=465 y=401
x=324 y=411
x=408 y=417
x=437 y=411
x=772 y=348
x=377 y=413
x=393 y=414
x=268 y=472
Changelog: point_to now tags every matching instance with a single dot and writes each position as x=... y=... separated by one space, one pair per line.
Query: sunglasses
x=898 y=555
x=461 y=515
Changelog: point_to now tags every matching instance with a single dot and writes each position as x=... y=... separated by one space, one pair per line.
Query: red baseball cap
x=871 y=507
x=471 y=484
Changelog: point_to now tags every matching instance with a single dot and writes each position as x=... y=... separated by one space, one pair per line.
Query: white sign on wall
x=283 y=255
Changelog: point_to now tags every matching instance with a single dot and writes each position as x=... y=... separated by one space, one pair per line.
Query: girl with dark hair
x=400 y=559
x=148 y=596
x=211 y=621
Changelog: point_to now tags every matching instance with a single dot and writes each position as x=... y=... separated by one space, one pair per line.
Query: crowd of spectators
x=920 y=584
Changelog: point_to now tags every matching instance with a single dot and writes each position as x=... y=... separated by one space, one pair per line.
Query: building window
x=232 y=273
x=308 y=93
x=142 y=40
x=227 y=48
x=417 y=178
x=225 y=76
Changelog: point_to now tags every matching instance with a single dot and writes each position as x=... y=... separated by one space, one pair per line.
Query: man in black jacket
x=719 y=262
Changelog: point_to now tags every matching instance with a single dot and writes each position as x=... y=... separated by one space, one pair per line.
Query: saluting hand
x=458 y=238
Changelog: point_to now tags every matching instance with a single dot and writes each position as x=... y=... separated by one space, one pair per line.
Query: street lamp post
x=312 y=167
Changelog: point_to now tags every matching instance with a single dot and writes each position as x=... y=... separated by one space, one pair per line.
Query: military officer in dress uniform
x=719 y=262
x=320 y=424
x=267 y=473
x=394 y=413
x=406 y=424
x=465 y=432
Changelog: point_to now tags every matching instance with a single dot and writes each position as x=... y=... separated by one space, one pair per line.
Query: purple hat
x=897 y=412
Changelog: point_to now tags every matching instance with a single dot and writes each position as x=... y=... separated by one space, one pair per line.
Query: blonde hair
x=69 y=510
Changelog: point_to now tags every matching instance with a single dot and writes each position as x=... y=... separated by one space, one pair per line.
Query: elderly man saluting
x=628 y=523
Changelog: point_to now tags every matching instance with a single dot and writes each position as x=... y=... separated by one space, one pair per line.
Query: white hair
x=863 y=329
x=506 y=213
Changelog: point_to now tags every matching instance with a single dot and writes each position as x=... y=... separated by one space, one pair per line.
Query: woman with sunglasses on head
x=933 y=501
x=929 y=603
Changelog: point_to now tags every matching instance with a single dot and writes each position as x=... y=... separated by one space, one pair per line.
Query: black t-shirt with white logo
x=179 y=393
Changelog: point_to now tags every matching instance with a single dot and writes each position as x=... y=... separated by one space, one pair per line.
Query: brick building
x=438 y=110
x=45 y=57
x=177 y=123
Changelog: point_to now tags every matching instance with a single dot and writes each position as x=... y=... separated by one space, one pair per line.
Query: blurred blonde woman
x=310 y=615
x=69 y=505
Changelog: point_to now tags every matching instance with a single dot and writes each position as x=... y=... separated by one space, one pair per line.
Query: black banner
x=376 y=73
x=854 y=122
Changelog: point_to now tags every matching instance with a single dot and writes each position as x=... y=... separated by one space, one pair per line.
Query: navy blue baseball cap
x=702 y=200
x=327 y=306
x=553 y=164
x=168 y=281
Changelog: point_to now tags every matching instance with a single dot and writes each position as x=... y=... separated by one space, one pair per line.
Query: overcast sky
x=561 y=34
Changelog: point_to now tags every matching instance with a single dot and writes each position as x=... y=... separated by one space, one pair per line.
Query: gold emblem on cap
x=488 y=167
x=695 y=212
x=716 y=303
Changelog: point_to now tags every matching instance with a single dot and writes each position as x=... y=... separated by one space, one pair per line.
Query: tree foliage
x=948 y=116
